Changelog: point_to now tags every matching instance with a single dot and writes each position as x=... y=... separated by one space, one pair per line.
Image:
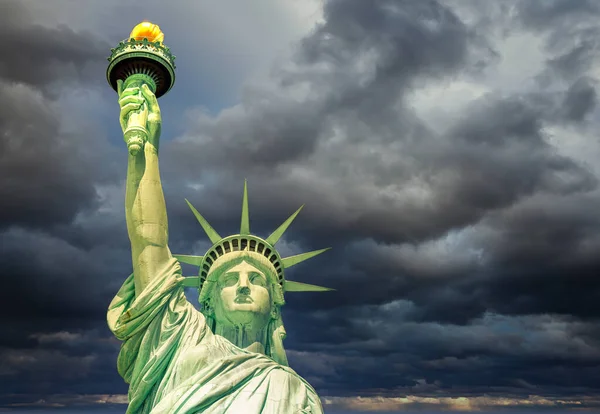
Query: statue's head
x=241 y=280
x=243 y=290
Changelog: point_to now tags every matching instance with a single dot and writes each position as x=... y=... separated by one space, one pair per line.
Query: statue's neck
x=253 y=340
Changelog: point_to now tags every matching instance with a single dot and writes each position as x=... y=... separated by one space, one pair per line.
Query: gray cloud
x=543 y=15
x=48 y=174
x=571 y=34
x=41 y=56
x=340 y=72
x=580 y=100
x=49 y=162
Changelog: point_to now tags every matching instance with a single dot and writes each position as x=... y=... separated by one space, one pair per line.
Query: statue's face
x=243 y=296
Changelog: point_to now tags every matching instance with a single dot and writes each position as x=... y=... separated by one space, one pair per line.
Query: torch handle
x=136 y=134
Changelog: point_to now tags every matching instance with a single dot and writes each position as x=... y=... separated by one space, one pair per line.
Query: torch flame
x=149 y=31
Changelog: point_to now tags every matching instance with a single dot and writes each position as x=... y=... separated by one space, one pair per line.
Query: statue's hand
x=130 y=100
x=154 y=119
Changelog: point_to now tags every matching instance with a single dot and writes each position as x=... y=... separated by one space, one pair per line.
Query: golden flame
x=149 y=31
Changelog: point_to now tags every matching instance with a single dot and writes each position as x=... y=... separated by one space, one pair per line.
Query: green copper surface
x=193 y=260
x=245 y=225
x=276 y=235
x=142 y=56
x=210 y=232
x=137 y=79
x=294 y=260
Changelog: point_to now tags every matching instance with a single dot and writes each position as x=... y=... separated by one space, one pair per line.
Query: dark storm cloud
x=541 y=14
x=40 y=56
x=544 y=260
x=385 y=48
x=342 y=70
x=52 y=312
x=494 y=354
x=571 y=33
x=49 y=176
x=498 y=154
x=55 y=278
x=338 y=109
x=56 y=270
x=47 y=172
x=580 y=100
x=68 y=358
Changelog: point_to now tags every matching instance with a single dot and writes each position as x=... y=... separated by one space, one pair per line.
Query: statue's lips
x=243 y=299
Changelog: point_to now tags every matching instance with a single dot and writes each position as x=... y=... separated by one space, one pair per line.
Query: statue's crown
x=244 y=241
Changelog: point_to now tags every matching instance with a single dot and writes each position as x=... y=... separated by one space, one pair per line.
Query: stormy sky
x=446 y=150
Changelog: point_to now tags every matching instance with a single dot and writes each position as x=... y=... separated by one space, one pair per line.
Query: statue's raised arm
x=229 y=354
x=145 y=208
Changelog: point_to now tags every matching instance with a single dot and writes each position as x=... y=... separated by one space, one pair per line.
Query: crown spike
x=294 y=260
x=210 y=232
x=245 y=226
x=193 y=260
x=291 y=286
x=276 y=235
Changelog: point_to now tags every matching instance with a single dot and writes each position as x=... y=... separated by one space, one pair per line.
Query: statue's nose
x=243 y=285
x=243 y=290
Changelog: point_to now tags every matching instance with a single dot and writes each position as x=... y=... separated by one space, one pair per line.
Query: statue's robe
x=175 y=364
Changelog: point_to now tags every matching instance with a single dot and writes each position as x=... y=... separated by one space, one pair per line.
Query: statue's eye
x=258 y=279
x=229 y=279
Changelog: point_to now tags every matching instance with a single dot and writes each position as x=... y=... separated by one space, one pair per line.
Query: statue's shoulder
x=287 y=382
x=286 y=375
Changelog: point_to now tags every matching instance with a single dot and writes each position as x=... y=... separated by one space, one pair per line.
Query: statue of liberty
x=229 y=356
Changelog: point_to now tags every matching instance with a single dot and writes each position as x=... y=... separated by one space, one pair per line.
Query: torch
x=143 y=58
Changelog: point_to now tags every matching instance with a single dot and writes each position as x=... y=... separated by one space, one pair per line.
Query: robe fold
x=174 y=363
